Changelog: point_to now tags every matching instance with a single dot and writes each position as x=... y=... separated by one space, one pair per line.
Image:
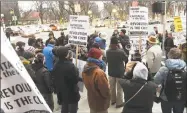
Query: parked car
x=53 y=27
x=123 y=25
x=100 y=24
x=45 y=28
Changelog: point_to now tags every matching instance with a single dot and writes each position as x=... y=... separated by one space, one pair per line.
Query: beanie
x=95 y=53
x=114 y=40
x=124 y=31
x=62 y=52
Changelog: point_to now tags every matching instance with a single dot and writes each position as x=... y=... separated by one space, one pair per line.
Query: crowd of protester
x=133 y=84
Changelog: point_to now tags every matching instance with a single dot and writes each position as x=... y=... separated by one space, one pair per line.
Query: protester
x=43 y=80
x=20 y=48
x=183 y=48
x=60 y=40
x=31 y=43
x=91 y=40
x=96 y=83
x=51 y=36
x=116 y=69
x=7 y=34
x=115 y=33
x=49 y=56
x=28 y=67
x=138 y=92
x=39 y=44
x=168 y=43
x=153 y=55
x=101 y=42
x=156 y=30
x=66 y=77
x=125 y=41
x=173 y=79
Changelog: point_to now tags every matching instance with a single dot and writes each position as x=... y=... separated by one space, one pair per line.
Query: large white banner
x=138 y=17
x=78 y=30
x=18 y=92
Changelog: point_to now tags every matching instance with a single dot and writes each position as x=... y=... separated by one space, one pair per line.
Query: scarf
x=99 y=63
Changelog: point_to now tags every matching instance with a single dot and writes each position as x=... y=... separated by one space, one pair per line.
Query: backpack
x=175 y=86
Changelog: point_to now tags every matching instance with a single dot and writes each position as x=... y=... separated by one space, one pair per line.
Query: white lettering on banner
x=18 y=92
x=78 y=30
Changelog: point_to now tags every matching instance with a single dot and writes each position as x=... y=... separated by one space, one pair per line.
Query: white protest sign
x=18 y=92
x=138 y=17
x=78 y=30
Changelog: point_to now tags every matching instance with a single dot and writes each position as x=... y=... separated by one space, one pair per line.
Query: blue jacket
x=101 y=42
x=49 y=56
x=161 y=75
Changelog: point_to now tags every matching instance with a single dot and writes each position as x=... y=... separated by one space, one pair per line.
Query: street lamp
x=90 y=15
x=89 y=12
x=114 y=10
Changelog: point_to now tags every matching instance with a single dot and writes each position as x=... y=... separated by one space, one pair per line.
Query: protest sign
x=138 y=32
x=138 y=17
x=178 y=24
x=18 y=92
x=78 y=30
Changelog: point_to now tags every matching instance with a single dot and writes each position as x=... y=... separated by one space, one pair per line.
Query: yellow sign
x=178 y=24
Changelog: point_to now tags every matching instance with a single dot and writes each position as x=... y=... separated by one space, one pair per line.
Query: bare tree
x=40 y=9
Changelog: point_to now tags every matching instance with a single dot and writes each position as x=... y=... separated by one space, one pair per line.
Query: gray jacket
x=161 y=75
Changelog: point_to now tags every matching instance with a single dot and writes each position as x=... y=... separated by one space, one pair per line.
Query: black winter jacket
x=125 y=42
x=115 y=59
x=143 y=101
x=66 y=77
x=43 y=79
x=168 y=44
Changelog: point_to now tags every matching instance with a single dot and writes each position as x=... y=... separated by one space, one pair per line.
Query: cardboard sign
x=18 y=92
x=138 y=17
x=78 y=30
x=178 y=24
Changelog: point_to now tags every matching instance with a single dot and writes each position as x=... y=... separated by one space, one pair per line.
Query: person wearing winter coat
x=153 y=55
x=174 y=62
x=96 y=83
x=49 y=56
x=28 y=67
x=60 y=40
x=43 y=80
x=51 y=36
x=30 y=47
x=168 y=43
x=125 y=41
x=66 y=77
x=20 y=48
x=116 y=69
x=138 y=91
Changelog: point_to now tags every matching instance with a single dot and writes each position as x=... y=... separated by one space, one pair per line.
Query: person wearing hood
x=138 y=91
x=20 y=48
x=153 y=55
x=116 y=58
x=168 y=43
x=66 y=77
x=51 y=36
x=173 y=62
x=43 y=80
x=96 y=83
x=49 y=56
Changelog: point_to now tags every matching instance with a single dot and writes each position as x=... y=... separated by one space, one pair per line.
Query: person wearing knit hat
x=66 y=77
x=153 y=55
x=137 y=87
x=116 y=58
x=95 y=56
x=96 y=82
x=43 y=80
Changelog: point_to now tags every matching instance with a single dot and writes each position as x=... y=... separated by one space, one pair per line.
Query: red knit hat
x=95 y=53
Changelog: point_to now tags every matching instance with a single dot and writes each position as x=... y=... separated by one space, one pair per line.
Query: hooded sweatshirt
x=161 y=75
x=97 y=86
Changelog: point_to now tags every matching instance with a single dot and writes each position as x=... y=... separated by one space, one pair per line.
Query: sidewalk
x=84 y=108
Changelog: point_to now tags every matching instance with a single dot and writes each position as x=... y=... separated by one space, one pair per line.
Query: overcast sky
x=27 y=5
